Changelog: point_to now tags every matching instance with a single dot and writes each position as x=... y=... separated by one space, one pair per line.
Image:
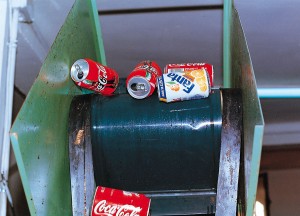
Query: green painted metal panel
x=98 y=40
x=243 y=78
x=39 y=133
x=227 y=27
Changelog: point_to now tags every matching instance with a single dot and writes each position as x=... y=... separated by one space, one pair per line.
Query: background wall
x=284 y=191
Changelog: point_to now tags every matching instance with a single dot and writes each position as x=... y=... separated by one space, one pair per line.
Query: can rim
x=133 y=80
x=84 y=66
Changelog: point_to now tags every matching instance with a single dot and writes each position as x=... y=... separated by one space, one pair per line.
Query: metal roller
x=170 y=152
x=141 y=145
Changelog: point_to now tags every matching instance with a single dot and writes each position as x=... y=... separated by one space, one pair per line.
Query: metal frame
x=8 y=47
x=276 y=93
x=230 y=155
x=43 y=167
x=242 y=76
x=80 y=153
x=227 y=27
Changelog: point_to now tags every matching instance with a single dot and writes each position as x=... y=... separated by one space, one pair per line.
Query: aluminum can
x=179 y=86
x=141 y=82
x=94 y=76
x=192 y=66
x=113 y=202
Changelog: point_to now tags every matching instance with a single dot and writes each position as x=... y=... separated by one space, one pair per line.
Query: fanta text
x=183 y=81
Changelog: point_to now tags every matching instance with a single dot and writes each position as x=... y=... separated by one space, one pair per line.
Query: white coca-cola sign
x=103 y=208
x=113 y=202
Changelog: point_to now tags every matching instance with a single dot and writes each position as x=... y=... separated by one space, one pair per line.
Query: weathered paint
x=39 y=134
x=253 y=123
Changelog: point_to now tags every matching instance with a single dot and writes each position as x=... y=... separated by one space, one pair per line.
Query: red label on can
x=94 y=76
x=145 y=74
x=113 y=202
x=191 y=66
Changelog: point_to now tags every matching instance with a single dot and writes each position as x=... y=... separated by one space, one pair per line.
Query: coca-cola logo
x=103 y=208
x=150 y=69
x=102 y=77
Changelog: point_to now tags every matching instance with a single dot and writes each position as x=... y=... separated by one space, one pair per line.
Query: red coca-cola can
x=94 y=76
x=141 y=82
x=174 y=68
x=113 y=202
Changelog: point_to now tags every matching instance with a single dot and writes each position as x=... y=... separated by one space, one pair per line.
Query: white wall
x=284 y=192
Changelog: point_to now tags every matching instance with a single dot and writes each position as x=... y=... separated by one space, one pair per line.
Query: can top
x=138 y=87
x=79 y=70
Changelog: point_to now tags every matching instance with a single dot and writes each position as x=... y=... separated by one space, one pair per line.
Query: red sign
x=113 y=202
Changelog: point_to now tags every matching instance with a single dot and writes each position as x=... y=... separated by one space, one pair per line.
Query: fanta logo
x=173 y=86
x=186 y=83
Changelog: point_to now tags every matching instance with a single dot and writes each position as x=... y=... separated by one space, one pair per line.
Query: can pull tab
x=80 y=75
x=79 y=71
x=138 y=87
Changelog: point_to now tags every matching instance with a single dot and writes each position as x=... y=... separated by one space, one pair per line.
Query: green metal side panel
x=227 y=26
x=39 y=134
x=243 y=77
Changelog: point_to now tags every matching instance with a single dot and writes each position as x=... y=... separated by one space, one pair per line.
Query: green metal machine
x=40 y=132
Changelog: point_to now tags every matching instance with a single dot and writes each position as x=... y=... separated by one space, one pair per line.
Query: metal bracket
x=4 y=189
x=80 y=154
x=231 y=140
